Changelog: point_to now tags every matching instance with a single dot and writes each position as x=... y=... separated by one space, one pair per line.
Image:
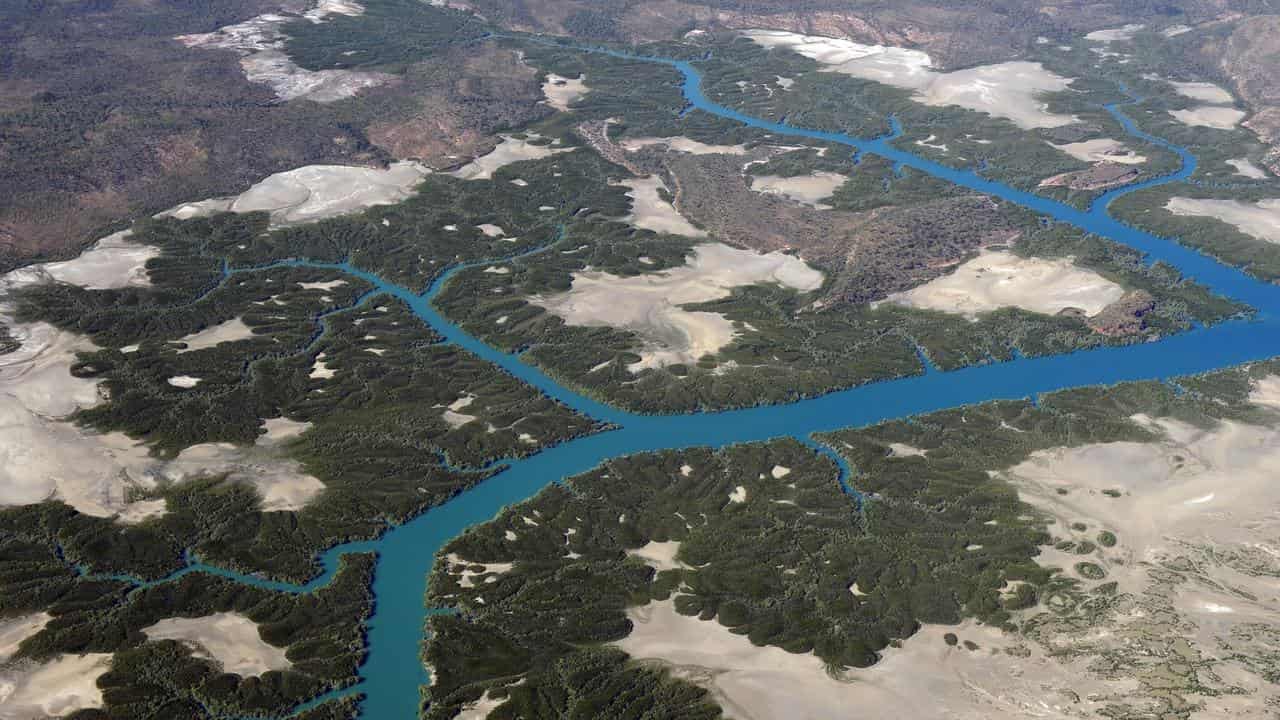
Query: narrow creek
x=393 y=672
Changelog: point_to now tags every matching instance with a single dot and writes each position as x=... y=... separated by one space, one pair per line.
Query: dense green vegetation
x=918 y=543
x=1216 y=238
x=322 y=631
x=793 y=352
x=774 y=556
x=785 y=350
x=378 y=438
x=389 y=36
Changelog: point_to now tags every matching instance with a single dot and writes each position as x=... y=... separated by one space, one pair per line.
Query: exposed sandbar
x=1222 y=118
x=16 y=629
x=649 y=304
x=808 y=190
x=561 y=92
x=1009 y=90
x=260 y=43
x=510 y=150
x=682 y=144
x=54 y=689
x=230 y=639
x=214 y=335
x=1101 y=150
x=1260 y=219
x=995 y=280
x=316 y=192
x=650 y=212
x=1246 y=168
x=914 y=681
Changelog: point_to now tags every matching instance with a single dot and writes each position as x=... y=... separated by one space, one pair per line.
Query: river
x=393 y=671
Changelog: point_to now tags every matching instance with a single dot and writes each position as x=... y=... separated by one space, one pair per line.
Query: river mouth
x=393 y=671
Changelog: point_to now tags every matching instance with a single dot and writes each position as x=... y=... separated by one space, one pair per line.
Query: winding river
x=393 y=671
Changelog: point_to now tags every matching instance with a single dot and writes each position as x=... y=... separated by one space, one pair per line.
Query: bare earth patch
x=1009 y=90
x=650 y=212
x=229 y=331
x=995 y=280
x=1192 y=552
x=230 y=639
x=682 y=144
x=54 y=689
x=260 y=44
x=561 y=92
x=43 y=455
x=805 y=189
x=14 y=630
x=649 y=305
x=510 y=150
x=914 y=681
x=1101 y=150
x=1260 y=219
x=1176 y=615
x=659 y=555
x=1222 y=118
x=316 y=192
x=1246 y=168
x=1203 y=91
x=112 y=262
x=1111 y=35
x=467 y=576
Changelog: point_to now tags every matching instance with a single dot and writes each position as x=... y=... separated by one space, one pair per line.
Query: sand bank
x=561 y=92
x=113 y=262
x=480 y=709
x=1246 y=168
x=453 y=414
x=649 y=305
x=325 y=8
x=1101 y=150
x=510 y=150
x=316 y=192
x=805 y=189
x=659 y=555
x=281 y=482
x=1009 y=90
x=905 y=450
x=44 y=456
x=650 y=212
x=1194 y=484
x=1195 y=558
x=1222 y=118
x=925 y=678
x=682 y=144
x=260 y=43
x=229 y=639
x=1111 y=35
x=1203 y=91
x=59 y=687
x=995 y=280
x=16 y=629
x=1260 y=219
x=229 y=331
x=1266 y=392
x=466 y=576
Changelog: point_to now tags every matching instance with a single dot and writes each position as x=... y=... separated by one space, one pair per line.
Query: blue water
x=393 y=672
